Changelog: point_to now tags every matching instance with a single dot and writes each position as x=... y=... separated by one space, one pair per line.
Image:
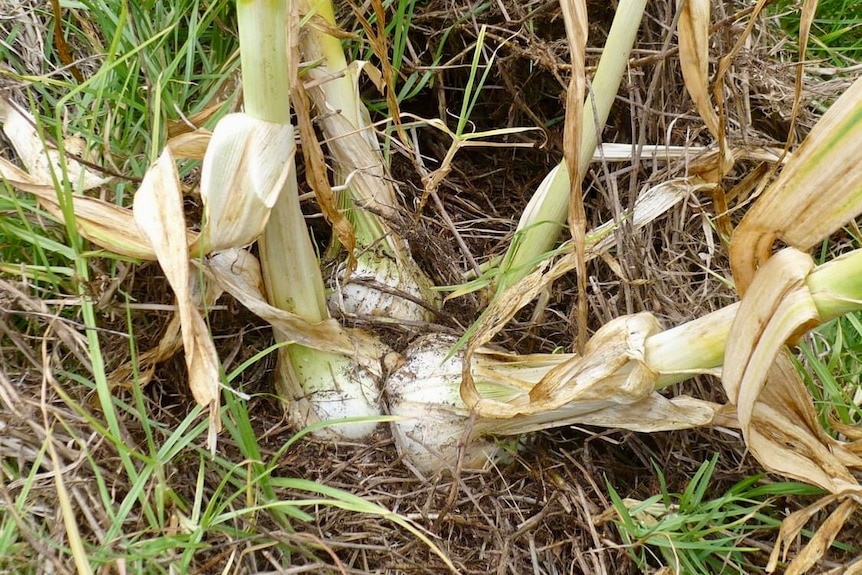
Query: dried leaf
x=775 y=411
x=612 y=371
x=42 y=159
x=817 y=191
x=315 y=174
x=819 y=542
x=104 y=224
x=191 y=145
x=616 y=344
x=158 y=210
x=693 y=29
x=779 y=309
x=238 y=273
x=575 y=15
x=649 y=415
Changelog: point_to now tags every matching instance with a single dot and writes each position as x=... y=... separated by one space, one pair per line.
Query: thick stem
x=317 y=385
x=836 y=288
x=263 y=39
x=296 y=285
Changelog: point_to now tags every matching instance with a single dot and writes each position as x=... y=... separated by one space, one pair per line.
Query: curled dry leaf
x=818 y=191
x=575 y=15
x=651 y=204
x=774 y=410
x=158 y=210
x=244 y=170
x=315 y=175
x=238 y=273
x=780 y=309
x=107 y=225
x=693 y=29
x=819 y=542
x=617 y=344
x=190 y=145
x=651 y=414
x=609 y=386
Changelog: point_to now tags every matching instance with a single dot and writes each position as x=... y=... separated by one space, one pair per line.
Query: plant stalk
x=545 y=215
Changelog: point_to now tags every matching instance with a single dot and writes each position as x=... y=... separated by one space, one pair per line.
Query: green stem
x=539 y=234
x=836 y=288
x=263 y=54
x=296 y=285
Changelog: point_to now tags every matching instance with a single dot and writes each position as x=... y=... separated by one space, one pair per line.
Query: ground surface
x=539 y=512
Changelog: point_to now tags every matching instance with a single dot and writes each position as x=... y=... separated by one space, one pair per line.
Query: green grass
x=699 y=535
x=831 y=358
x=832 y=370
x=836 y=34
x=409 y=79
x=146 y=65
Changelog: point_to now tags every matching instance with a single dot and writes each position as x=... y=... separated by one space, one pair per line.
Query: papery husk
x=244 y=170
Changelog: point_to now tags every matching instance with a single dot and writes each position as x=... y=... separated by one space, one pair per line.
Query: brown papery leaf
x=818 y=191
x=819 y=542
x=651 y=414
x=158 y=210
x=617 y=343
x=778 y=308
x=693 y=28
x=575 y=15
x=612 y=371
x=190 y=145
x=774 y=409
x=315 y=174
